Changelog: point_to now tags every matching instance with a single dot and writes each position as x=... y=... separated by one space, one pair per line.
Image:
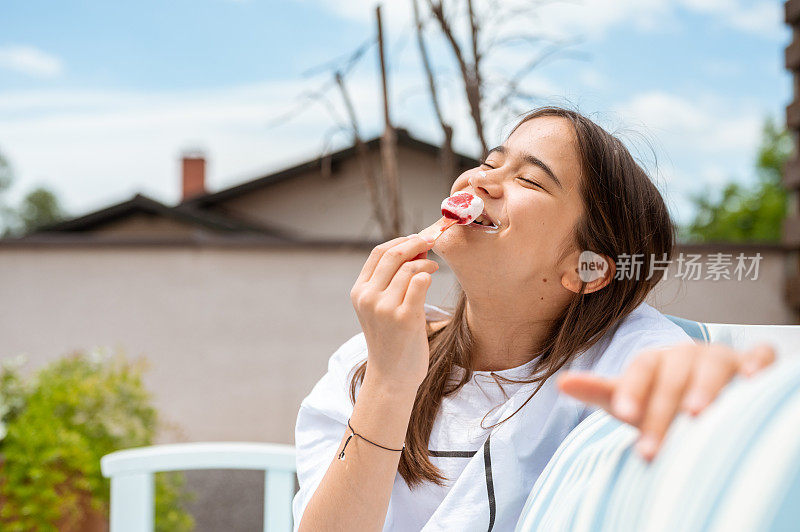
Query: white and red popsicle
x=461 y=208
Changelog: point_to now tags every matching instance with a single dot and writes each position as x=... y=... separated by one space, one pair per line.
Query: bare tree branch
x=388 y=143
x=468 y=74
x=476 y=56
x=447 y=158
x=326 y=163
x=304 y=102
x=343 y=65
x=366 y=162
x=512 y=84
x=499 y=42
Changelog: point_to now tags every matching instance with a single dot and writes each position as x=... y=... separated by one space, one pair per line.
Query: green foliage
x=7 y=214
x=38 y=208
x=748 y=213
x=6 y=175
x=58 y=424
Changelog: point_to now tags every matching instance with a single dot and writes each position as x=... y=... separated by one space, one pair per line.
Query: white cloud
x=31 y=61
x=392 y=13
x=594 y=18
x=125 y=142
x=763 y=18
x=705 y=123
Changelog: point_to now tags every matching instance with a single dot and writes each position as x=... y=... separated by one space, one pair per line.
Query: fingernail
x=625 y=408
x=695 y=401
x=647 y=446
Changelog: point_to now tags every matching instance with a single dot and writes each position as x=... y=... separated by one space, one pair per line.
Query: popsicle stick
x=436 y=229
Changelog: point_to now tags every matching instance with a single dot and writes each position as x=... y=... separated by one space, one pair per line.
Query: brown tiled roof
x=143 y=204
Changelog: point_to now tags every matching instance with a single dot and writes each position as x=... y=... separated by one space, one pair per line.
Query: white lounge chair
x=131 y=471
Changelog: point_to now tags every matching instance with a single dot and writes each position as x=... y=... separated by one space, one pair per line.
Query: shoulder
x=647 y=325
x=644 y=328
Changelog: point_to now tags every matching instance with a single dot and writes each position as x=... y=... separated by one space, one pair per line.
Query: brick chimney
x=193 y=168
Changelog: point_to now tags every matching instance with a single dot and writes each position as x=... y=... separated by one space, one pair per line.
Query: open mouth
x=484 y=221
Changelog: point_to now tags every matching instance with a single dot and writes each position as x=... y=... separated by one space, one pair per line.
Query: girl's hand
x=389 y=297
x=661 y=382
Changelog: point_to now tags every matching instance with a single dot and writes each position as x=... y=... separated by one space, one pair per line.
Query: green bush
x=54 y=428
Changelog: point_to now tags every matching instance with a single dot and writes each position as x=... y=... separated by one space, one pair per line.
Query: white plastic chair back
x=132 y=483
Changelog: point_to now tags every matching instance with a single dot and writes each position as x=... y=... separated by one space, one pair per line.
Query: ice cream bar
x=460 y=208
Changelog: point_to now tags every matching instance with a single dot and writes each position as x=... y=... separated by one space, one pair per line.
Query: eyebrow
x=530 y=159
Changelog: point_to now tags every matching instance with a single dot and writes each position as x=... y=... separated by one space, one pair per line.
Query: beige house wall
x=338 y=207
x=237 y=336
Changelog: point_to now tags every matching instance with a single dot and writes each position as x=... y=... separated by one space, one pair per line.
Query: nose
x=485 y=185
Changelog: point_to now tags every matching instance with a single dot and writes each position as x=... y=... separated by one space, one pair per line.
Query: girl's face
x=530 y=188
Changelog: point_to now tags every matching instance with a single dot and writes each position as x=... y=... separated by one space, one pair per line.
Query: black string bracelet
x=354 y=433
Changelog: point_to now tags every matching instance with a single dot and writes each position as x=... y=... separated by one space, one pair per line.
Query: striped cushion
x=735 y=467
x=697 y=330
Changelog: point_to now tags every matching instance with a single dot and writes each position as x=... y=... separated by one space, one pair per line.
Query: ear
x=593 y=269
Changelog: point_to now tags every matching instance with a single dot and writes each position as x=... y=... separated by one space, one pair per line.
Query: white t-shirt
x=489 y=472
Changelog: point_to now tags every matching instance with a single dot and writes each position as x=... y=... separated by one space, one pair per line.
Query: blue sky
x=98 y=99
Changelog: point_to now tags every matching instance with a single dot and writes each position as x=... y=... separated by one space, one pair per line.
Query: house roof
x=404 y=138
x=193 y=210
x=143 y=204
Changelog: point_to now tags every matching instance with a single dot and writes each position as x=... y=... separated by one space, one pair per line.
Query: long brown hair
x=623 y=213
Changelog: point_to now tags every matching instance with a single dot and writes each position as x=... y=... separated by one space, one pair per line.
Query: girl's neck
x=505 y=337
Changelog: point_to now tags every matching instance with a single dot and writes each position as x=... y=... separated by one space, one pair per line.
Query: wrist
x=392 y=389
x=382 y=412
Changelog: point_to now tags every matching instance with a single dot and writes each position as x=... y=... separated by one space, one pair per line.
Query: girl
x=436 y=421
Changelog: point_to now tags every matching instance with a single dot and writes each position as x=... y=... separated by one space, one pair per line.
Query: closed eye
x=534 y=183
x=531 y=182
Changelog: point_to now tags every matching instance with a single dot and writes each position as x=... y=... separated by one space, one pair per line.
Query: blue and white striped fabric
x=735 y=467
x=783 y=338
